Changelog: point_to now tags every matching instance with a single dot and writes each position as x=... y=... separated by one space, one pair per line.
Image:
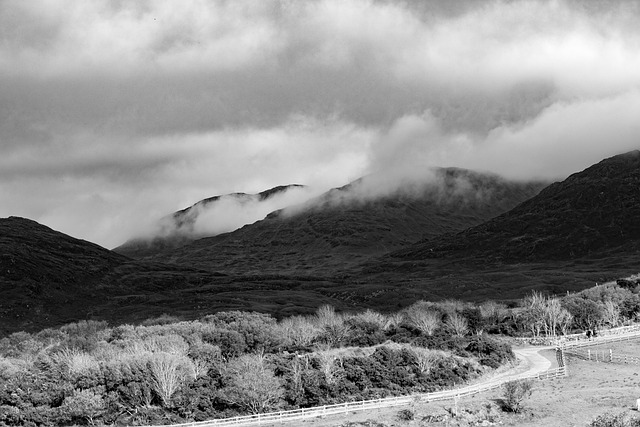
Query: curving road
x=531 y=364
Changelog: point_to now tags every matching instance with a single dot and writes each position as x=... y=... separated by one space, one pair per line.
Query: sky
x=115 y=113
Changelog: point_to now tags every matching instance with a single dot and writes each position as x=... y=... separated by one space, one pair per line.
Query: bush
x=490 y=352
x=515 y=393
x=612 y=420
x=406 y=415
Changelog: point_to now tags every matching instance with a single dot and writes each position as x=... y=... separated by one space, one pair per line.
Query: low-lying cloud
x=114 y=114
x=226 y=213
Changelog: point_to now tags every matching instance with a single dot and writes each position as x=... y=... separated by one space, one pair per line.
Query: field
x=590 y=390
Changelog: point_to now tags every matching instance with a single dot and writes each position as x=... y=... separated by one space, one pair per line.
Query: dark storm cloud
x=112 y=112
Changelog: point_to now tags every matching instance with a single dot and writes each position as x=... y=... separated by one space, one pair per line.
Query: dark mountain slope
x=31 y=252
x=345 y=226
x=42 y=269
x=591 y=213
x=48 y=278
x=178 y=229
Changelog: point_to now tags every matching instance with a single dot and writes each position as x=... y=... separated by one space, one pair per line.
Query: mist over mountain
x=591 y=212
x=347 y=225
x=212 y=216
x=465 y=235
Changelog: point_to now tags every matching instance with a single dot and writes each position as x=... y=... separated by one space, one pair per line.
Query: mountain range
x=347 y=225
x=462 y=234
x=185 y=226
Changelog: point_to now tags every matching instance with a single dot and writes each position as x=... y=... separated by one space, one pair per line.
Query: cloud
x=564 y=138
x=113 y=113
x=109 y=190
x=232 y=212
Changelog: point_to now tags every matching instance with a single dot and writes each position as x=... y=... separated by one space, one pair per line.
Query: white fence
x=568 y=341
x=560 y=339
x=389 y=402
x=599 y=355
x=629 y=333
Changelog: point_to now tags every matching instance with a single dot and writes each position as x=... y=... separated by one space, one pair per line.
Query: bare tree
x=492 y=311
x=299 y=331
x=451 y=306
x=169 y=372
x=458 y=324
x=553 y=315
x=326 y=315
x=204 y=357
x=296 y=371
x=425 y=320
x=425 y=358
x=611 y=313
x=393 y=320
x=534 y=312
x=330 y=366
x=252 y=384
x=545 y=314
x=371 y=316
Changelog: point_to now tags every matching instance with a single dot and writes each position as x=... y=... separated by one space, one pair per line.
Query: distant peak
x=279 y=189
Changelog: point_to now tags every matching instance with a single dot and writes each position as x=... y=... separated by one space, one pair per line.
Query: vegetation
x=515 y=393
x=226 y=364
x=234 y=362
x=615 y=420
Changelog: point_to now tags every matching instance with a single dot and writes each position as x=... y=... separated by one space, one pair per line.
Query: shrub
x=490 y=352
x=612 y=420
x=83 y=406
x=364 y=333
x=515 y=393
x=406 y=415
x=252 y=384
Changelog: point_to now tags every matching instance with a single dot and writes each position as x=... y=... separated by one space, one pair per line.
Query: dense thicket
x=230 y=363
x=226 y=364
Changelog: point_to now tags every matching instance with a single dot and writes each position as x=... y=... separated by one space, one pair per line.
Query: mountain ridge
x=346 y=225
x=48 y=278
x=592 y=210
x=178 y=228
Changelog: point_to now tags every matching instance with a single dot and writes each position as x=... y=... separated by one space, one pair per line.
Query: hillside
x=48 y=278
x=186 y=225
x=40 y=269
x=348 y=225
x=334 y=250
x=591 y=213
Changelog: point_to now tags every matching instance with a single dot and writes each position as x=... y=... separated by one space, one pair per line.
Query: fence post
x=589 y=353
x=610 y=355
